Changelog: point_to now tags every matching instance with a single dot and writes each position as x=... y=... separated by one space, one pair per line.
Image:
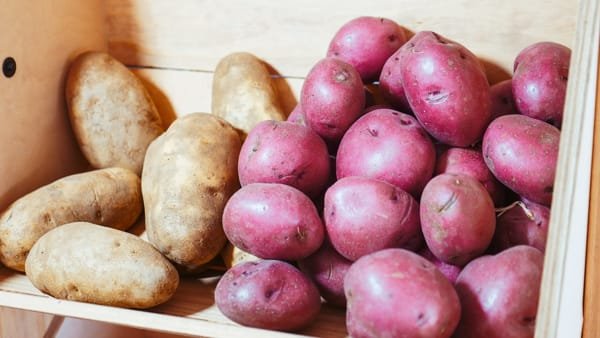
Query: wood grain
x=560 y=310
x=591 y=300
x=16 y=323
x=292 y=36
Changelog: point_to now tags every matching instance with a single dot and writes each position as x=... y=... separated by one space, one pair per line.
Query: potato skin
x=397 y=293
x=364 y=215
x=524 y=224
x=450 y=271
x=499 y=294
x=112 y=114
x=268 y=294
x=110 y=197
x=390 y=146
x=243 y=92
x=522 y=153
x=189 y=174
x=447 y=89
x=366 y=43
x=287 y=153
x=90 y=263
x=457 y=218
x=332 y=98
x=470 y=162
x=540 y=81
x=273 y=221
x=503 y=101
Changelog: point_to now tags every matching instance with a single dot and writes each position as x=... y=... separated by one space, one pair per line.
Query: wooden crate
x=175 y=46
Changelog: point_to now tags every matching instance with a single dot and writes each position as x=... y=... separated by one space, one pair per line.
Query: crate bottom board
x=191 y=311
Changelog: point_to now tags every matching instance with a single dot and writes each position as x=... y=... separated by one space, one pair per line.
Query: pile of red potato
x=424 y=216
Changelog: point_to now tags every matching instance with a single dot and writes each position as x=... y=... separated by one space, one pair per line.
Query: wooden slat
x=292 y=36
x=560 y=311
x=591 y=314
x=17 y=323
x=191 y=311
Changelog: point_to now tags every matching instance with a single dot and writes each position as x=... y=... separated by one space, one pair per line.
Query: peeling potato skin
x=112 y=114
x=110 y=197
x=90 y=263
x=189 y=174
x=243 y=92
x=457 y=218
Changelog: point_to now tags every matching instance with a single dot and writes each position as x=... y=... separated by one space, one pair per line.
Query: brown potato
x=189 y=174
x=243 y=92
x=110 y=197
x=90 y=263
x=112 y=114
x=233 y=256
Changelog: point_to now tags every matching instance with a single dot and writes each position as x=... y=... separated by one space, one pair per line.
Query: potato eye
x=9 y=67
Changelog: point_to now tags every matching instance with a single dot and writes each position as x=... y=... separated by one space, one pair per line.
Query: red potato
x=447 y=89
x=390 y=82
x=297 y=116
x=526 y=223
x=540 y=81
x=273 y=221
x=332 y=98
x=327 y=269
x=522 y=153
x=268 y=294
x=470 y=162
x=366 y=43
x=457 y=218
x=364 y=215
x=287 y=153
x=448 y=270
x=503 y=102
x=390 y=146
x=397 y=293
x=499 y=294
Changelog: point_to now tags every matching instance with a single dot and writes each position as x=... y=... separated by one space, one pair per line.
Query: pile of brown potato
x=402 y=187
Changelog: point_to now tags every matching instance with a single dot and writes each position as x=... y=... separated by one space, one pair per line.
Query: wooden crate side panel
x=292 y=36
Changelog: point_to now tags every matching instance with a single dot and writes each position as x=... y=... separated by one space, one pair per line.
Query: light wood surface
x=591 y=302
x=560 y=311
x=17 y=323
x=174 y=48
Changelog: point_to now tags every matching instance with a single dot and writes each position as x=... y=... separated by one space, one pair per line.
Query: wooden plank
x=560 y=311
x=292 y=36
x=178 y=92
x=18 y=323
x=591 y=303
x=190 y=312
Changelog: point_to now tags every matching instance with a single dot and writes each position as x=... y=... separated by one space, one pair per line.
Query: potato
x=457 y=218
x=390 y=146
x=390 y=82
x=526 y=223
x=189 y=174
x=503 y=101
x=273 y=221
x=540 y=81
x=287 y=153
x=233 y=256
x=450 y=271
x=522 y=153
x=366 y=43
x=499 y=294
x=364 y=215
x=447 y=89
x=112 y=114
x=268 y=294
x=297 y=116
x=90 y=263
x=332 y=98
x=470 y=162
x=397 y=293
x=327 y=269
x=110 y=197
x=243 y=92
